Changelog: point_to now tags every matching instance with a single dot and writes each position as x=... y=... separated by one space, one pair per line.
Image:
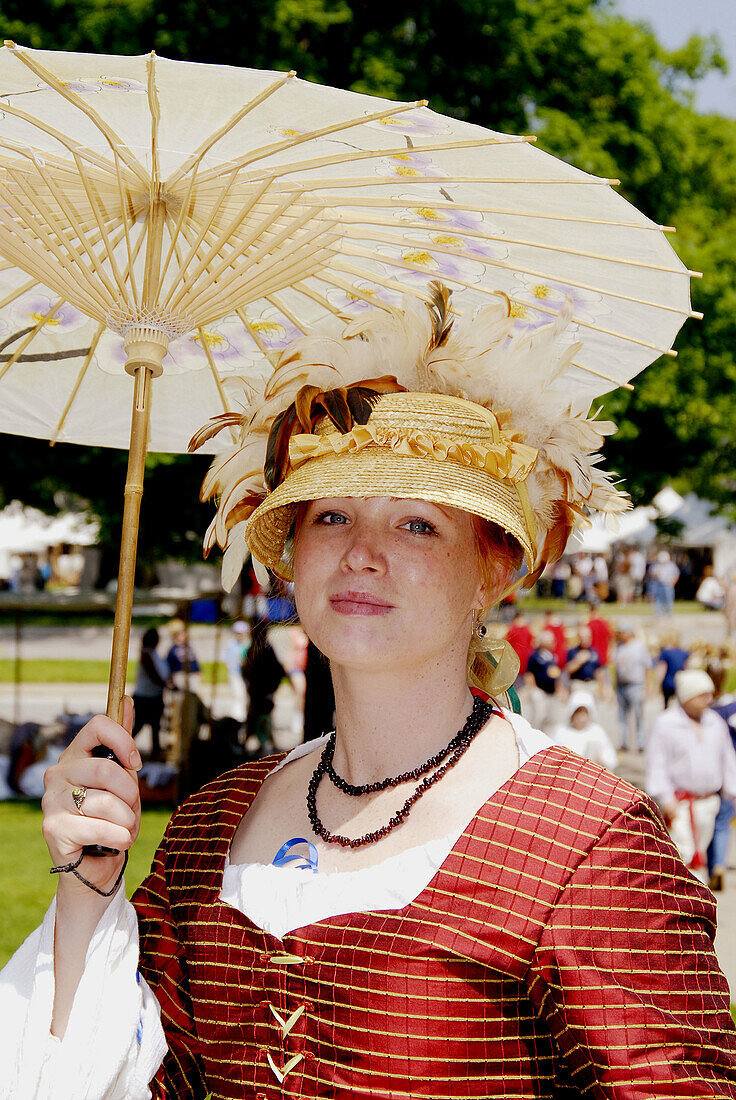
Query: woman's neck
x=388 y=723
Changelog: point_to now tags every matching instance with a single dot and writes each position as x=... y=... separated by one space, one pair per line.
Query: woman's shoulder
x=564 y=793
x=212 y=813
x=238 y=784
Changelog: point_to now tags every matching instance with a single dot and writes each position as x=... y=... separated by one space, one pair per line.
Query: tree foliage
x=595 y=89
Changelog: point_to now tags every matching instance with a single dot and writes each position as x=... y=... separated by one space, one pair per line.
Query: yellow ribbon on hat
x=504 y=458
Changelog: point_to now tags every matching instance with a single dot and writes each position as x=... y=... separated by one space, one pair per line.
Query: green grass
x=47 y=671
x=610 y=610
x=27 y=886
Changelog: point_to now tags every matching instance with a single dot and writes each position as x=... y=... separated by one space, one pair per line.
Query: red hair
x=499 y=555
x=499 y=558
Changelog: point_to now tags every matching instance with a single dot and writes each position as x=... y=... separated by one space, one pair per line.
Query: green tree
x=172 y=518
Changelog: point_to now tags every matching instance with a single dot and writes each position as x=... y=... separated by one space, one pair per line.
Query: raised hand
x=89 y=800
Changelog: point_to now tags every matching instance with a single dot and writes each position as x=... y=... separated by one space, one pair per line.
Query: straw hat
x=415 y=446
x=474 y=415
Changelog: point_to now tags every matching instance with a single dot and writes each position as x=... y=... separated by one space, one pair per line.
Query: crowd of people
x=569 y=679
x=254 y=675
x=630 y=574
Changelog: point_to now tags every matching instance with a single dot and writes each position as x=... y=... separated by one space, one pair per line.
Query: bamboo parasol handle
x=144 y=362
x=128 y=542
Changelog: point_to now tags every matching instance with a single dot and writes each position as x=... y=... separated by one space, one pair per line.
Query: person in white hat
x=583 y=734
x=235 y=651
x=690 y=760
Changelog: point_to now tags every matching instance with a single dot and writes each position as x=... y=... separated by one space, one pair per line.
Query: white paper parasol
x=184 y=222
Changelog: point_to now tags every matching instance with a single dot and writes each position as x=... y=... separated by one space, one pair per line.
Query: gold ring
x=78 y=796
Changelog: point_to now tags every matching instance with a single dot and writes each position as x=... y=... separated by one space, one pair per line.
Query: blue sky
x=675 y=20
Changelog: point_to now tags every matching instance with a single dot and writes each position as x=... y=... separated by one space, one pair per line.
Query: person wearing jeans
x=630 y=698
x=632 y=661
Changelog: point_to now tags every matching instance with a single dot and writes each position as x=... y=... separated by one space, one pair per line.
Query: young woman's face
x=386 y=583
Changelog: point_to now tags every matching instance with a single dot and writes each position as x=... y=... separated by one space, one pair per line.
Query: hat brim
x=376 y=472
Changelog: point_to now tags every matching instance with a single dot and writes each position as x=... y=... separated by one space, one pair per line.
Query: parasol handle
x=129 y=540
x=146 y=348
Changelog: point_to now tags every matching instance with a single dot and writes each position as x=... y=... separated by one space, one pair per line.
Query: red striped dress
x=561 y=950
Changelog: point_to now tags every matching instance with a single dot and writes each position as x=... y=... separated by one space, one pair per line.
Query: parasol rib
x=220 y=238
x=154 y=107
x=194 y=249
x=183 y=208
x=282 y=274
x=113 y=139
x=29 y=337
x=283 y=308
x=295 y=139
x=404 y=242
x=262 y=347
x=370 y=202
x=48 y=273
x=38 y=229
x=21 y=290
x=438 y=226
x=268 y=246
x=124 y=210
x=201 y=151
x=77 y=384
x=274 y=272
x=314 y=296
x=368 y=154
x=49 y=216
x=202 y=269
x=218 y=381
x=351 y=290
x=57 y=135
x=394 y=181
x=109 y=249
x=240 y=294
x=605 y=377
x=433 y=245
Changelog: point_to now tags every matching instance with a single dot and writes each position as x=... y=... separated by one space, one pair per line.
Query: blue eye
x=331 y=519
x=420 y=527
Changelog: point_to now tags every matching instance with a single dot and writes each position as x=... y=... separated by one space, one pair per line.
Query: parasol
x=181 y=223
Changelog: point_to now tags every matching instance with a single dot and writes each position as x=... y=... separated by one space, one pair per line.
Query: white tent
x=27 y=530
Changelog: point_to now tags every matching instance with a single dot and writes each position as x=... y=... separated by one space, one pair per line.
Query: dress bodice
x=493 y=982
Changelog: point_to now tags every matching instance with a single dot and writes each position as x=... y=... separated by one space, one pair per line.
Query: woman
x=148 y=695
x=471 y=912
x=262 y=671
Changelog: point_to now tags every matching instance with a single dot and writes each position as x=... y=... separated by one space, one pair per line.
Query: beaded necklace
x=442 y=761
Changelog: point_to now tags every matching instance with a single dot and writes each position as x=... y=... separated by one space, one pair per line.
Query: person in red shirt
x=555 y=624
x=601 y=635
x=520 y=637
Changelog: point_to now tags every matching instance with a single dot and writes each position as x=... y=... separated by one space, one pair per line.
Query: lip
x=359 y=603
